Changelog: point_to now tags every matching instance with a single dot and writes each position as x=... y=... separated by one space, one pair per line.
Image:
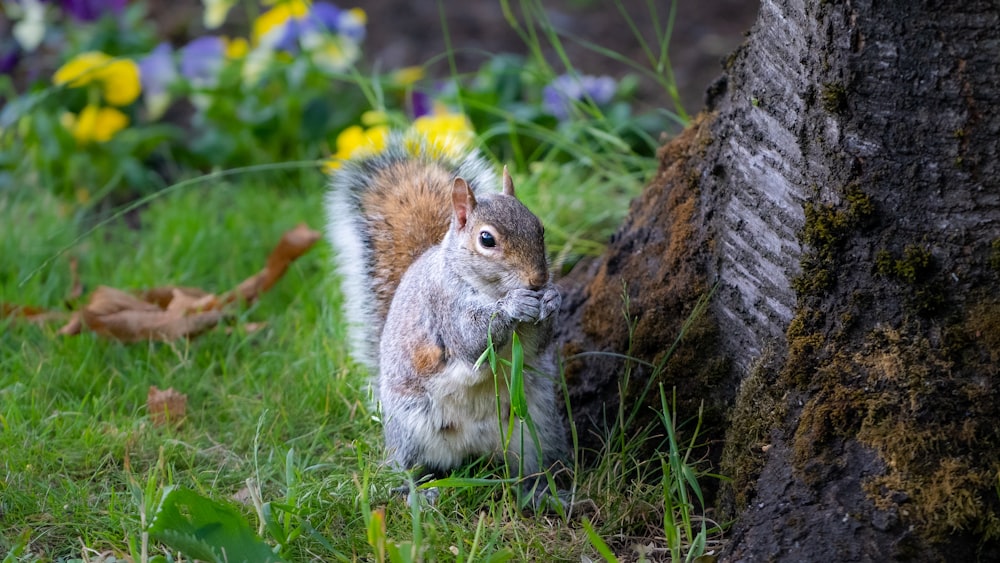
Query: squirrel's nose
x=536 y=282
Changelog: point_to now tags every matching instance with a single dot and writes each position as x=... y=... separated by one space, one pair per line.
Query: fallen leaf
x=30 y=313
x=168 y=312
x=126 y=317
x=73 y=327
x=163 y=296
x=293 y=244
x=243 y=496
x=38 y=315
x=166 y=405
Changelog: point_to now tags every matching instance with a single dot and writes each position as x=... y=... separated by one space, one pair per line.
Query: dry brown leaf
x=243 y=496
x=38 y=315
x=166 y=406
x=293 y=244
x=73 y=327
x=30 y=313
x=163 y=296
x=168 y=312
x=171 y=312
x=126 y=317
x=187 y=303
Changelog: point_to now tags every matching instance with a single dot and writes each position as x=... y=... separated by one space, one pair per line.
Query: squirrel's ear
x=508 y=184
x=463 y=201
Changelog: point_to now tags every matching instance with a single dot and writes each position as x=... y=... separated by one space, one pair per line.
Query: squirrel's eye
x=486 y=239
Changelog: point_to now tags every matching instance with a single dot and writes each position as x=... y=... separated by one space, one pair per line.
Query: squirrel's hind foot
x=430 y=494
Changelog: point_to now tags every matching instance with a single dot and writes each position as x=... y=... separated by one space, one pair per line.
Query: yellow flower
x=95 y=124
x=355 y=141
x=446 y=134
x=236 y=48
x=118 y=78
x=268 y=25
x=407 y=76
x=216 y=12
x=443 y=135
x=79 y=70
x=359 y=15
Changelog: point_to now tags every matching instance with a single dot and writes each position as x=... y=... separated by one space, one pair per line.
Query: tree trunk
x=840 y=194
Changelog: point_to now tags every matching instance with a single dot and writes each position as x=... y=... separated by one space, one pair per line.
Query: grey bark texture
x=841 y=195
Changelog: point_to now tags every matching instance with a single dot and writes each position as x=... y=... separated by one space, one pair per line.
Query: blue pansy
x=559 y=96
x=157 y=71
x=202 y=59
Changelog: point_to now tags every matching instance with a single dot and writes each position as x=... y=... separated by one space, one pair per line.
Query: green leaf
x=692 y=482
x=21 y=106
x=205 y=529
x=482 y=358
x=489 y=353
x=518 y=399
x=19 y=545
x=670 y=530
x=697 y=548
x=501 y=556
x=272 y=525
x=598 y=542
x=463 y=482
x=400 y=553
x=612 y=140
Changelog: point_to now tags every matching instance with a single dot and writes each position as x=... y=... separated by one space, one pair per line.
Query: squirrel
x=434 y=263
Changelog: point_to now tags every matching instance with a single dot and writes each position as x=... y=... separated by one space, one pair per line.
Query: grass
x=84 y=468
x=278 y=421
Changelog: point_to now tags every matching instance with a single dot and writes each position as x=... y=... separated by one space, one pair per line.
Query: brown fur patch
x=404 y=200
x=428 y=359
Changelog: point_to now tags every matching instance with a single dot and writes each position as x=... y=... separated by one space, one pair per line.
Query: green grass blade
x=599 y=544
x=464 y=482
x=518 y=399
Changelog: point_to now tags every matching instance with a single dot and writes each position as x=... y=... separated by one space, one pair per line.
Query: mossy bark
x=637 y=297
x=841 y=193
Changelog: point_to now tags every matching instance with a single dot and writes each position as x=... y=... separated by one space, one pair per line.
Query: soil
x=410 y=32
x=402 y=33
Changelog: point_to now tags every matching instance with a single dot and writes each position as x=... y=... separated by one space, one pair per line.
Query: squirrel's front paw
x=523 y=305
x=551 y=301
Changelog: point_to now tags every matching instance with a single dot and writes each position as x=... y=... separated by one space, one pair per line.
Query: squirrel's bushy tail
x=383 y=211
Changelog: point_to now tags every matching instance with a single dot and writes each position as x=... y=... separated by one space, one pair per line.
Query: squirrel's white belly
x=464 y=420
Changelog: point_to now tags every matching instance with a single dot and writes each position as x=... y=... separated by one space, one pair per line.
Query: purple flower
x=90 y=10
x=157 y=70
x=351 y=24
x=202 y=59
x=559 y=96
x=289 y=41
x=323 y=19
x=323 y=16
x=601 y=89
x=420 y=103
x=9 y=56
